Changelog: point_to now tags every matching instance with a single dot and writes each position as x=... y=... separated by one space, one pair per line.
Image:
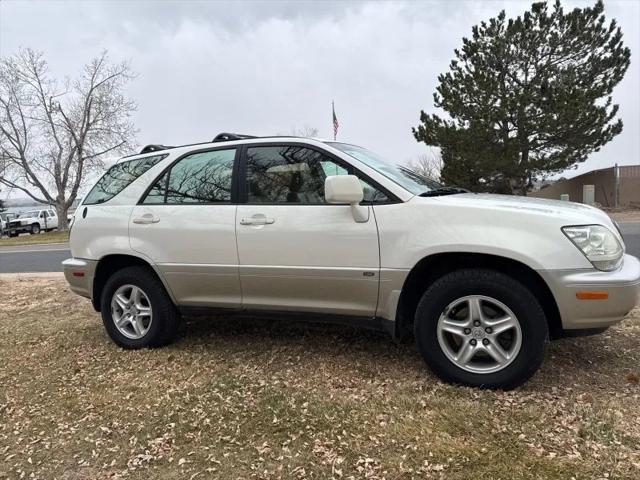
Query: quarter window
x=199 y=178
x=294 y=174
x=119 y=177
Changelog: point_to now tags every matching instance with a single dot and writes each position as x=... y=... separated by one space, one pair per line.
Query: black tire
x=165 y=320
x=35 y=229
x=13 y=234
x=510 y=292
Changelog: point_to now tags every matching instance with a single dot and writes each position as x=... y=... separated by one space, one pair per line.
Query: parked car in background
x=285 y=226
x=4 y=218
x=33 y=222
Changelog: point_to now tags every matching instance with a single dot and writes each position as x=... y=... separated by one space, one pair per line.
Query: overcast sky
x=267 y=67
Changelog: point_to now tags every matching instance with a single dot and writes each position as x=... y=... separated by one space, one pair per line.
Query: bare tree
x=305 y=131
x=52 y=134
x=428 y=165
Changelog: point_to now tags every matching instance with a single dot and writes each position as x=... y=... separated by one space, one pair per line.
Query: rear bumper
x=622 y=286
x=79 y=274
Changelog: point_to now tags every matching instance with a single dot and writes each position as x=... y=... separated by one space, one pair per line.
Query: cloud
x=265 y=67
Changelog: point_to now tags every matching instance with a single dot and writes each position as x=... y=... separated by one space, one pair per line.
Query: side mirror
x=346 y=189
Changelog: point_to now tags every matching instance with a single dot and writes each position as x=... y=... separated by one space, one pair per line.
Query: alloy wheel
x=479 y=334
x=131 y=311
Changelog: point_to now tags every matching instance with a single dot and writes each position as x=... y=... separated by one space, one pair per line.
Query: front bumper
x=622 y=285
x=79 y=274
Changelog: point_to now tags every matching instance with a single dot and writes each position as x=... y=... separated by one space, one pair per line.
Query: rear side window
x=119 y=177
x=199 y=178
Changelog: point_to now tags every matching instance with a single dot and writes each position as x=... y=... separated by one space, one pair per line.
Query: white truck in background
x=32 y=221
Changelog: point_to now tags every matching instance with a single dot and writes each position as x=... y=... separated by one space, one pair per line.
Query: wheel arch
x=109 y=264
x=433 y=267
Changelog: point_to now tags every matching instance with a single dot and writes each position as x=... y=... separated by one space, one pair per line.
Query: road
x=33 y=258
x=47 y=258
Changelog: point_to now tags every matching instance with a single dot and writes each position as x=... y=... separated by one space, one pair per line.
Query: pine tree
x=527 y=97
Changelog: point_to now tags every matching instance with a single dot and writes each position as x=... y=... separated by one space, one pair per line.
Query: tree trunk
x=61 y=211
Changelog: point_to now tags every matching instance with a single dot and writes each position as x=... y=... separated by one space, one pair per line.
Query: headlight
x=598 y=244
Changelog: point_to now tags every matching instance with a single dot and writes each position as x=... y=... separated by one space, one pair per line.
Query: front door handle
x=146 y=219
x=258 y=219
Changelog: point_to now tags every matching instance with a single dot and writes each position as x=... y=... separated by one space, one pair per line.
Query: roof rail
x=227 y=137
x=221 y=137
x=154 y=148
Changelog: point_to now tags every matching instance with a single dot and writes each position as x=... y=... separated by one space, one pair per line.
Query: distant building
x=612 y=187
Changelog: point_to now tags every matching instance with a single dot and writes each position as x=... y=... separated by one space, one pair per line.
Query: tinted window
x=158 y=191
x=118 y=177
x=371 y=194
x=293 y=174
x=198 y=178
x=396 y=171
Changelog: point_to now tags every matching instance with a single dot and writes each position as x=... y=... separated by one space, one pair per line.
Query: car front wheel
x=137 y=311
x=481 y=328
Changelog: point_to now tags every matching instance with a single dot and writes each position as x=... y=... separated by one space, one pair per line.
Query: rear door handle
x=257 y=219
x=146 y=219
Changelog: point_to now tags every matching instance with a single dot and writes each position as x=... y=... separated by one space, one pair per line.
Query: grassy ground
x=257 y=399
x=49 y=237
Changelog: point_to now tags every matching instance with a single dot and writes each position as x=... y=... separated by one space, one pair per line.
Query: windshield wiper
x=436 y=192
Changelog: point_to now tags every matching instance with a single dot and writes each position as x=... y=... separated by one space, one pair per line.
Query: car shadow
x=599 y=361
x=315 y=342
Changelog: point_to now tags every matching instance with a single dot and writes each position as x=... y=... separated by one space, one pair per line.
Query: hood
x=568 y=213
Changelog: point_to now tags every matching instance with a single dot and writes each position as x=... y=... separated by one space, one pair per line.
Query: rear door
x=296 y=252
x=53 y=219
x=185 y=225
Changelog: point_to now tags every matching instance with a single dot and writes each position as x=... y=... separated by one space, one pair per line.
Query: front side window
x=199 y=178
x=119 y=177
x=293 y=174
x=397 y=172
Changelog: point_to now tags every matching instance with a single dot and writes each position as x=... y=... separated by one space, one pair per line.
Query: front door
x=296 y=252
x=186 y=226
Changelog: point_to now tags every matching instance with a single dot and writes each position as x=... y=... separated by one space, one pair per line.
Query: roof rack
x=227 y=137
x=154 y=148
x=221 y=137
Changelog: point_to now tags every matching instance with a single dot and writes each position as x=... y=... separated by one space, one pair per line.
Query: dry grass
x=256 y=399
x=26 y=239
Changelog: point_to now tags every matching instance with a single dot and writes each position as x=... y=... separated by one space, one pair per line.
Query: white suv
x=294 y=225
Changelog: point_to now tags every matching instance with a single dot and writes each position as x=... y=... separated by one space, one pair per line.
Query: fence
x=610 y=190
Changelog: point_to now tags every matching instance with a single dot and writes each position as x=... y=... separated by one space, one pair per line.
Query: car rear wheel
x=136 y=310
x=35 y=229
x=481 y=328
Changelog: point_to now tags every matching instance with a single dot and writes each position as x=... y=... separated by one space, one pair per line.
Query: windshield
x=397 y=172
x=31 y=214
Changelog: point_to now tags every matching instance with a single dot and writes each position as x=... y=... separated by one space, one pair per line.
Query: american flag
x=335 y=121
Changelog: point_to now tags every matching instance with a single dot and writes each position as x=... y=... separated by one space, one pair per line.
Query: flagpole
x=333 y=111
